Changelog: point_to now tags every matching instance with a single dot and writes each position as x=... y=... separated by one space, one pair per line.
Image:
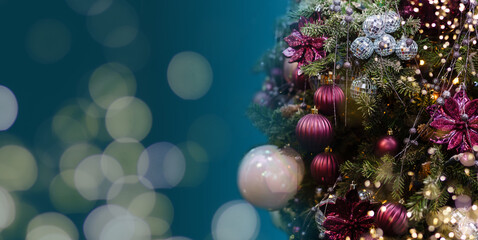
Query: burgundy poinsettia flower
x=348 y=217
x=458 y=119
x=304 y=49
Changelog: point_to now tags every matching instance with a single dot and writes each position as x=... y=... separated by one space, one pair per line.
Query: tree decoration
x=269 y=177
x=314 y=131
x=458 y=118
x=302 y=48
x=325 y=167
x=329 y=99
x=349 y=217
x=384 y=45
x=387 y=145
x=392 y=22
x=362 y=85
x=392 y=219
x=374 y=26
x=406 y=49
x=362 y=48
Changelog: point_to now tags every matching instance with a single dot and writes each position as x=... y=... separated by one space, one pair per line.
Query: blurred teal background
x=49 y=70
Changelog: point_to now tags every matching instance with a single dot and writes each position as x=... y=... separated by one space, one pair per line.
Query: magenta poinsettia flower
x=458 y=119
x=348 y=217
x=304 y=49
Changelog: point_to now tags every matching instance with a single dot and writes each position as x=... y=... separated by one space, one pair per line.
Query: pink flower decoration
x=458 y=119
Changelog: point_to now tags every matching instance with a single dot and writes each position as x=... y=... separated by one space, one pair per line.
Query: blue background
x=232 y=35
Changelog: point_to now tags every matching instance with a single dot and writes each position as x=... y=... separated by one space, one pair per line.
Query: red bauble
x=300 y=81
x=392 y=219
x=330 y=99
x=314 y=132
x=386 y=145
x=325 y=168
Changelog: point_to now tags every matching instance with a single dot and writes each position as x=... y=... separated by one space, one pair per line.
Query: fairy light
x=422 y=62
x=456 y=81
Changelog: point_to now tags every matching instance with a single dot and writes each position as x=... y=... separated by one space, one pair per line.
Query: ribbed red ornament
x=325 y=168
x=327 y=97
x=392 y=219
x=314 y=132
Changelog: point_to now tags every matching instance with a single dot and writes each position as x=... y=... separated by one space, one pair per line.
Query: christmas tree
x=370 y=111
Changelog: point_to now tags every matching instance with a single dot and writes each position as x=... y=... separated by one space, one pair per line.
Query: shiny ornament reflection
x=269 y=177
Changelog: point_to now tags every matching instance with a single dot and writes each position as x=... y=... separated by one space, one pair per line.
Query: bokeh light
x=112 y=222
x=72 y=156
x=65 y=198
x=235 y=220
x=126 y=151
x=95 y=175
x=162 y=164
x=18 y=168
x=110 y=82
x=72 y=125
x=51 y=226
x=48 y=41
x=129 y=193
x=89 y=7
x=117 y=26
x=7 y=209
x=8 y=108
x=128 y=117
x=189 y=75
x=197 y=164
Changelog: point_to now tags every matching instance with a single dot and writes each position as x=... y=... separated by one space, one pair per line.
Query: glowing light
x=18 y=168
x=238 y=219
x=65 y=198
x=456 y=81
x=95 y=175
x=72 y=156
x=124 y=111
x=110 y=82
x=126 y=151
x=8 y=108
x=162 y=164
x=115 y=27
x=48 y=41
x=7 y=209
x=51 y=226
x=189 y=75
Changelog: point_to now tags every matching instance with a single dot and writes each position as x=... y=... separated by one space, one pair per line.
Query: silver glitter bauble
x=404 y=51
x=362 y=85
x=365 y=195
x=392 y=21
x=388 y=44
x=374 y=26
x=362 y=48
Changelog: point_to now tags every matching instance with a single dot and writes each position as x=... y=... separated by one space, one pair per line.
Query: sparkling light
x=8 y=108
x=235 y=220
x=189 y=75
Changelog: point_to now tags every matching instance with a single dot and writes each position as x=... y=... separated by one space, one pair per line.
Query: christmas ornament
x=392 y=219
x=314 y=131
x=467 y=159
x=374 y=26
x=362 y=48
x=349 y=217
x=387 y=145
x=406 y=51
x=384 y=45
x=362 y=85
x=458 y=119
x=299 y=80
x=302 y=48
x=325 y=168
x=392 y=21
x=330 y=99
x=262 y=98
x=365 y=195
x=289 y=110
x=269 y=177
x=289 y=70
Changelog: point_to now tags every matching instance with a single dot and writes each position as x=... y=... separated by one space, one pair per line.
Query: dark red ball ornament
x=392 y=219
x=325 y=168
x=314 y=131
x=330 y=99
x=387 y=145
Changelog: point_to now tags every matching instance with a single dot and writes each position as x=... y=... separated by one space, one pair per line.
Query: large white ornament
x=269 y=177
